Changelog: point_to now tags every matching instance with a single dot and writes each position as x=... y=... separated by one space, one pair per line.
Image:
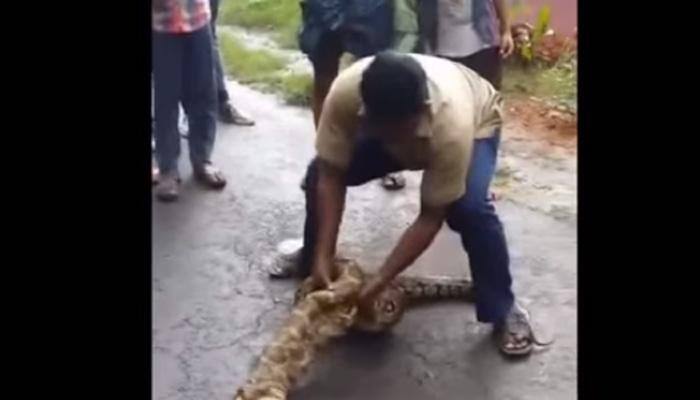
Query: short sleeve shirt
x=463 y=107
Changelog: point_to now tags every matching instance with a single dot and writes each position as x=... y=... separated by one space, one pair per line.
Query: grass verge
x=279 y=17
x=557 y=84
x=264 y=70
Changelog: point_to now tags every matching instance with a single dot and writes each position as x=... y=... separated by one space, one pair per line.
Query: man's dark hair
x=393 y=86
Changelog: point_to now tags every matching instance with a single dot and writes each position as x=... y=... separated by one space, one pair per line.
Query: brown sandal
x=168 y=188
x=210 y=176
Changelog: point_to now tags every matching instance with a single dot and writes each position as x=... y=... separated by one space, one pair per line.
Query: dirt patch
x=541 y=122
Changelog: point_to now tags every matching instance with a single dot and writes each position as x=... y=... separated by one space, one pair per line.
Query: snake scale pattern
x=321 y=315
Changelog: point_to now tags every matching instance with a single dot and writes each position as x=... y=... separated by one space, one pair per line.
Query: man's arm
x=412 y=244
x=507 y=44
x=335 y=141
x=443 y=183
x=331 y=201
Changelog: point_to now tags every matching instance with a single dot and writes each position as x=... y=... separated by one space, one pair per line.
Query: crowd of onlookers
x=189 y=92
x=189 y=81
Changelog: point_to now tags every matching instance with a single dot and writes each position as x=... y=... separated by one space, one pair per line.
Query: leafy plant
x=542 y=24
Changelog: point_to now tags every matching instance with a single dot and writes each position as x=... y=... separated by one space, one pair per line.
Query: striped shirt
x=180 y=16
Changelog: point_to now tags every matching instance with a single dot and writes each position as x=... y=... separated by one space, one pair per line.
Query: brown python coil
x=321 y=315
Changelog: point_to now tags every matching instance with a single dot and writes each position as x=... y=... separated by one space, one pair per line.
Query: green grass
x=247 y=65
x=557 y=84
x=280 y=17
x=264 y=70
x=295 y=88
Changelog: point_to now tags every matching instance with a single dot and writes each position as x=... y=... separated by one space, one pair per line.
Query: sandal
x=228 y=114
x=210 y=176
x=515 y=335
x=394 y=181
x=168 y=188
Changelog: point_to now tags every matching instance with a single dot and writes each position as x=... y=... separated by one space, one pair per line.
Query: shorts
x=332 y=27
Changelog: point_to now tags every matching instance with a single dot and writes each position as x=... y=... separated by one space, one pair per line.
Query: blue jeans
x=472 y=216
x=183 y=72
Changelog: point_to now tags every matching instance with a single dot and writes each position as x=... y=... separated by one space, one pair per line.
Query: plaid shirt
x=180 y=16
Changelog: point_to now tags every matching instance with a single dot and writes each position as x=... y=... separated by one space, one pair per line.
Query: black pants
x=487 y=63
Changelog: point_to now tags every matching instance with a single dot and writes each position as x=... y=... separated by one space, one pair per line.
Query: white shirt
x=457 y=36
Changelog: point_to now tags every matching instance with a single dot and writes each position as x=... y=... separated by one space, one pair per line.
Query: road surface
x=214 y=308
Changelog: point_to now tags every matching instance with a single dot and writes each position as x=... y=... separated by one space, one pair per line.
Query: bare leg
x=325 y=71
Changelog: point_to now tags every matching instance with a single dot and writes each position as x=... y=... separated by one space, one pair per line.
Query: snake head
x=387 y=310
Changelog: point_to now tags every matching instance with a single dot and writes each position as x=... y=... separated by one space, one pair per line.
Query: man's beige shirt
x=463 y=107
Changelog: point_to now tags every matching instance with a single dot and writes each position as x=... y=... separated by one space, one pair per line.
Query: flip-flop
x=393 y=181
x=210 y=176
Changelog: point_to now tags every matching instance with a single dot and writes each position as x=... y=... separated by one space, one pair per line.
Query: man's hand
x=322 y=273
x=411 y=245
x=371 y=288
x=369 y=292
x=507 y=45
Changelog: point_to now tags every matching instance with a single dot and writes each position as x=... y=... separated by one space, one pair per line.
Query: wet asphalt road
x=214 y=308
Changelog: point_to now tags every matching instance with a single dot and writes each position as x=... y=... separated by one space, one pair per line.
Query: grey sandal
x=515 y=335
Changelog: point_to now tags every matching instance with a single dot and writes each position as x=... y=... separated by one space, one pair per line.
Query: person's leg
x=199 y=102
x=326 y=61
x=226 y=112
x=487 y=63
x=221 y=92
x=167 y=92
x=474 y=218
x=369 y=161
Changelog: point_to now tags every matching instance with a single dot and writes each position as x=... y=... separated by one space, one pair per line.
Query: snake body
x=321 y=315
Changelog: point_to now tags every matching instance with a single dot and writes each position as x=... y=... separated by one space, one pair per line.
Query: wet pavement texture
x=214 y=308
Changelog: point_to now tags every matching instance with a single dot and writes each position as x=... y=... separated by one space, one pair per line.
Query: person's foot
x=515 y=335
x=209 y=176
x=394 y=181
x=287 y=261
x=228 y=114
x=168 y=188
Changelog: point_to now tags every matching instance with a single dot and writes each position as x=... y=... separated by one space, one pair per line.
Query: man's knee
x=467 y=211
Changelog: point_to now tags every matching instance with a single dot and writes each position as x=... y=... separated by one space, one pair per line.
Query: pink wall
x=564 y=13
